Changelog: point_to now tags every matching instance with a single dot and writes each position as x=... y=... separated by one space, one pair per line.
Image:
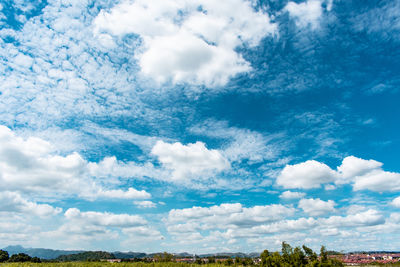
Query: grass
x=98 y=264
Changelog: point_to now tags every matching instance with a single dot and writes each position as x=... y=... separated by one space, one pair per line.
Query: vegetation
x=300 y=257
x=87 y=256
x=3 y=256
x=288 y=257
x=22 y=257
x=163 y=257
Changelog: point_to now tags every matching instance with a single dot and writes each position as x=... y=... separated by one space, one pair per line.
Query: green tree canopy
x=20 y=257
x=298 y=256
x=4 y=255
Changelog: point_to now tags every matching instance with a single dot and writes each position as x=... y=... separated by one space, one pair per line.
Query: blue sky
x=199 y=126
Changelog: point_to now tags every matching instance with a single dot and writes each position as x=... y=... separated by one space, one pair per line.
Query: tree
x=311 y=255
x=229 y=261
x=264 y=257
x=164 y=257
x=20 y=257
x=211 y=259
x=299 y=257
x=36 y=260
x=247 y=261
x=4 y=255
x=237 y=261
x=324 y=254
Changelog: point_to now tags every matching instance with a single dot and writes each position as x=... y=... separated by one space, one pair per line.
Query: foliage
x=289 y=256
x=20 y=257
x=211 y=259
x=300 y=257
x=87 y=256
x=229 y=261
x=3 y=256
x=163 y=257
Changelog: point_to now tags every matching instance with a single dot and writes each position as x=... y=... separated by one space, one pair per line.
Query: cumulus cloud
x=32 y=165
x=188 y=41
x=145 y=204
x=131 y=193
x=225 y=216
x=292 y=195
x=84 y=227
x=316 y=207
x=365 y=218
x=396 y=202
x=353 y=166
x=377 y=180
x=306 y=175
x=361 y=174
x=14 y=202
x=203 y=226
x=104 y=218
x=192 y=160
x=306 y=14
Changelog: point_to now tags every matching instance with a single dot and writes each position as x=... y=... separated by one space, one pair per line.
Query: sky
x=198 y=125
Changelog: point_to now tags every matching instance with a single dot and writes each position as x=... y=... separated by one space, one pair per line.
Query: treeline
x=300 y=257
x=87 y=256
x=84 y=256
x=288 y=257
x=20 y=257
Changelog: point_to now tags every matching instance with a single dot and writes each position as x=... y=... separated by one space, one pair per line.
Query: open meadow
x=131 y=264
x=98 y=264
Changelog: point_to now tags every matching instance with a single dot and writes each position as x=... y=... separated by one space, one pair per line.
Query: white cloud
x=63 y=72
x=104 y=218
x=316 y=207
x=306 y=175
x=145 y=204
x=306 y=14
x=365 y=218
x=377 y=180
x=92 y=229
x=189 y=41
x=396 y=202
x=367 y=175
x=215 y=225
x=32 y=165
x=111 y=167
x=131 y=193
x=14 y=202
x=361 y=174
x=23 y=61
x=353 y=166
x=192 y=160
x=240 y=144
x=142 y=233
x=225 y=216
x=292 y=195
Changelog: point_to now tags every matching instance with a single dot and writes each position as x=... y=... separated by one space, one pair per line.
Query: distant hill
x=183 y=255
x=50 y=254
x=230 y=255
x=42 y=253
x=129 y=255
x=86 y=256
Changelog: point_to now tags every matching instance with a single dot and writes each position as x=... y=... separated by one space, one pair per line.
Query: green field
x=98 y=264
x=126 y=264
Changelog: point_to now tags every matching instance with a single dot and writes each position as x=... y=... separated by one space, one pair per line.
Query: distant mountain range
x=50 y=254
x=42 y=253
